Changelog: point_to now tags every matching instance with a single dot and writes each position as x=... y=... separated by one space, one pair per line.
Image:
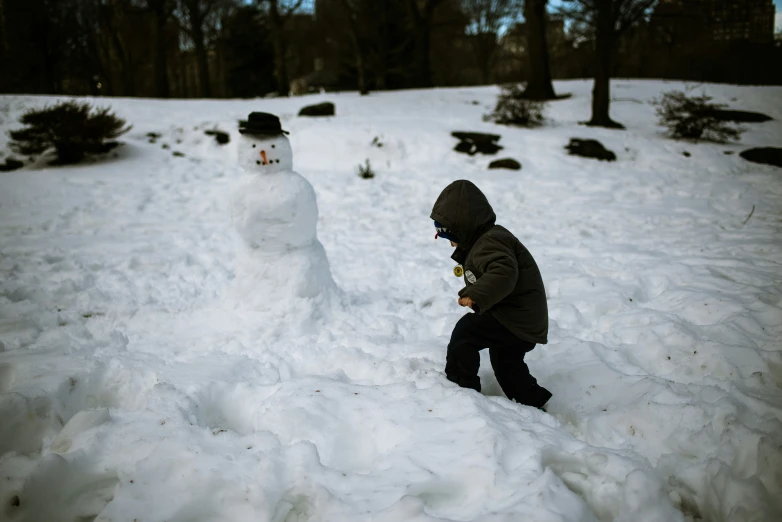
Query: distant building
x=716 y=20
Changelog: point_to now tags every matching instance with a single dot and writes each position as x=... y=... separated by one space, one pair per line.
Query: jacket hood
x=462 y=208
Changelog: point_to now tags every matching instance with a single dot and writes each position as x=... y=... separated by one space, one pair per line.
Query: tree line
x=249 y=48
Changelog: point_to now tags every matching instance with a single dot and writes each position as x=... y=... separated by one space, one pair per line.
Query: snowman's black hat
x=262 y=124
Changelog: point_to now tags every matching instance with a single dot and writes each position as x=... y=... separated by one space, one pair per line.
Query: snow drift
x=132 y=388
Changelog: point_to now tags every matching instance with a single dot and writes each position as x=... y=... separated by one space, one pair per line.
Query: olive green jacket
x=501 y=276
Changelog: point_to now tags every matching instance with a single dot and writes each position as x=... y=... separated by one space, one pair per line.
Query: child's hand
x=465 y=301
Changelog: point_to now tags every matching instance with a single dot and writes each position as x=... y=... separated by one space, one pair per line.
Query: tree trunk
x=424 y=44
x=103 y=62
x=162 y=89
x=201 y=58
x=601 y=93
x=361 y=72
x=109 y=19
x=280 y=49
x=128 y=87
x=380 y=76
x=422 y=23
x=358 y=49
x=280 y=67
x=539 y=85
x=3 y=38
x=486 y=47
x=49 y=84
x=380 y=50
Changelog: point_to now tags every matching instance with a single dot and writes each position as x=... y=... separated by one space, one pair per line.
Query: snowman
x=275 y=212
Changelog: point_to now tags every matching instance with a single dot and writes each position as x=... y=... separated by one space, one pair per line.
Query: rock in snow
x=476 y=142
x=505 y=163
x=320 y=109
x=221 y=137
x=589 y=149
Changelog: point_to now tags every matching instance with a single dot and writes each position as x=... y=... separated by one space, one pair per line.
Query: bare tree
x=3 y=40
x=111 y=20
x=383 y=46
x=384 y=38
x=353 y=11
x=195 y=14
x=370 y=37
x=606 y=20
x=486 y=18
x=539 y=84
x=422 y=14
x=280 y=12
x=162 y=9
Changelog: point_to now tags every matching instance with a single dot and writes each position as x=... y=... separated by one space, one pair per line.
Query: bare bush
x=365 y=171
x=694 y=117
x=513 y=109
x=73 y=129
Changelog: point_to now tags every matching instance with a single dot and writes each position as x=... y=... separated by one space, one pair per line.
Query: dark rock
x=220 y=136
x=475 y=136
x=10 y=164
x=764 y=155
x=321 y=109
x=589 y=149
x=505 y=163
x=465 y=147
x=474 y=142
x=735 y=116
x=686 y=154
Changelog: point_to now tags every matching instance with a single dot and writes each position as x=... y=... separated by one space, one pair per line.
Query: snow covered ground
x=136 y=388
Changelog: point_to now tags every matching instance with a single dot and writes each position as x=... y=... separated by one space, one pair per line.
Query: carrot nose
x=263 y=155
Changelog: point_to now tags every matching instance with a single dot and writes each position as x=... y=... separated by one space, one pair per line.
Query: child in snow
x=504 y=289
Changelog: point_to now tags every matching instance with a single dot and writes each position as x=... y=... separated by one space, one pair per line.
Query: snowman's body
x=276 y=213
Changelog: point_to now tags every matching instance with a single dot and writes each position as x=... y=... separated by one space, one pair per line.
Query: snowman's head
x=263 y=147
x=265 y=154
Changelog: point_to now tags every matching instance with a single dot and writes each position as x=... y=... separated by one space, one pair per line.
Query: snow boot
x=540 y=398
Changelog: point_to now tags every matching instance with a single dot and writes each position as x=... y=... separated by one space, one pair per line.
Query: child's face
x=454 y=244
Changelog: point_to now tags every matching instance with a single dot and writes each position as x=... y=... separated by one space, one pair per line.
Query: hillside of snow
x=136 y=386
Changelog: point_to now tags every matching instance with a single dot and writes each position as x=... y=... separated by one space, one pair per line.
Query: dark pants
x=475 y=332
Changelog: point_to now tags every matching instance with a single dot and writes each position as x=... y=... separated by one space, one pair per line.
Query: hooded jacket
x=500 y=275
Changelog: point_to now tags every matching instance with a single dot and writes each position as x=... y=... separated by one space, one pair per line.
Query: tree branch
x=292 y=9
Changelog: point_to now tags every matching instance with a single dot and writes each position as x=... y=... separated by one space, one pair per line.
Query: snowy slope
x=135 y=387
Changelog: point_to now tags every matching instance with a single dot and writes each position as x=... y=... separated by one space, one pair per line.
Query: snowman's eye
x=257 y=162
x=253 y=145
x=273 y=146
x=278 y=161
